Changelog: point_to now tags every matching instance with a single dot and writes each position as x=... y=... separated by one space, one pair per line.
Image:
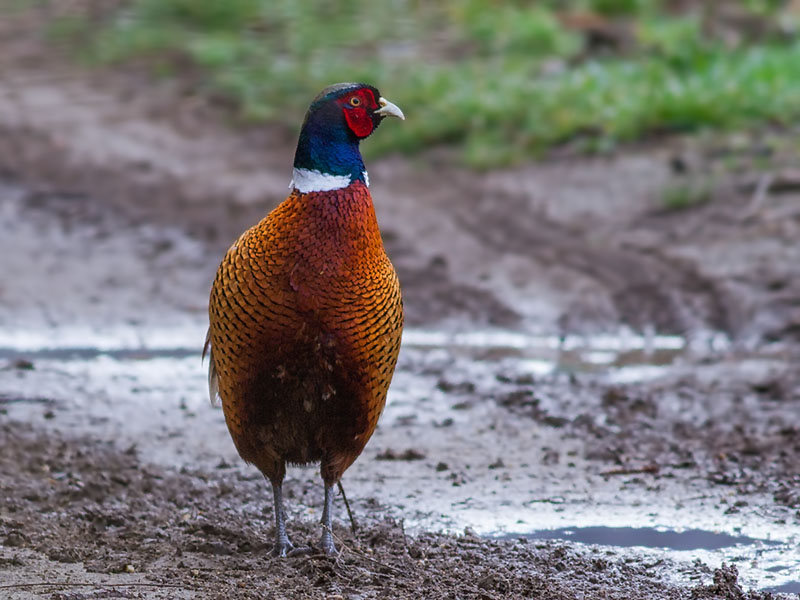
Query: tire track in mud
x=647 y=288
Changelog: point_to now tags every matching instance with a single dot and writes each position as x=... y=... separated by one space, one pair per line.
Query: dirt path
x=510 y=414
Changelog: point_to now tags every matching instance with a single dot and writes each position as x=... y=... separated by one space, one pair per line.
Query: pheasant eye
x=355 y=101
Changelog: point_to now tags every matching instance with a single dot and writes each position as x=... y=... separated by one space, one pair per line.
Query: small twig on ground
x=353 y=525
x=553 y=500
x=344 y=545
x=652 y=469
x=98 y=584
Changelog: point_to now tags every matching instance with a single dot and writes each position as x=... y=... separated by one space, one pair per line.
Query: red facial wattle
x=358 y=108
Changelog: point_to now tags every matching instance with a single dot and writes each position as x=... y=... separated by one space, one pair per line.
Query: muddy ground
x=578 y=359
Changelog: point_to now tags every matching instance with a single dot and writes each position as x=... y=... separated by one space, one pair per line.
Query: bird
x=306 y=312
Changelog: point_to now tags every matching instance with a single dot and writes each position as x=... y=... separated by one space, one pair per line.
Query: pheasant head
x=328 y=156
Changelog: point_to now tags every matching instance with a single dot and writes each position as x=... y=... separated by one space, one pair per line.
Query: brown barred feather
x=305 y=325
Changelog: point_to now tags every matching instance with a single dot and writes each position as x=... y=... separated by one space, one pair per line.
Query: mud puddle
x=774 y=558
x=788 y=588
x=648 y=537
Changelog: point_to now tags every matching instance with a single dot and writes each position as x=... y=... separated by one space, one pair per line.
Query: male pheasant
x=305 y=310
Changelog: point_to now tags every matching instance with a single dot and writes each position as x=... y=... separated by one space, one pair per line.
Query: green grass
x=685 y=194
x=499 y=81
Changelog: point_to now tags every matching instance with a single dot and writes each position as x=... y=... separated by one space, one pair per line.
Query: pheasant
x=305 y=311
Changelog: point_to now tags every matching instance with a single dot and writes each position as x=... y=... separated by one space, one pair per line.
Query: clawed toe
x=282 y=549
x=327 y=545
x=301 y=551
x=329 y=549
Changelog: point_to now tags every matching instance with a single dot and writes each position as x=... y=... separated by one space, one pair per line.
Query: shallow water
x=768 y=563
x=647 y=537
x=626 y=357
x=787 y=588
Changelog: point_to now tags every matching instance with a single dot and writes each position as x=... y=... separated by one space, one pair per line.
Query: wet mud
x=83 y=512
x=596 y=397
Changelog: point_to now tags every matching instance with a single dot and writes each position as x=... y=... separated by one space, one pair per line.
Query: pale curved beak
x=388 y=109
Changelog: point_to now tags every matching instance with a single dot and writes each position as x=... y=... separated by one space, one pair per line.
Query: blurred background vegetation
x=501 y=81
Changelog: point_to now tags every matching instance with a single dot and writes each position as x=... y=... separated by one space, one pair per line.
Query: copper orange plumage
x=305 y=310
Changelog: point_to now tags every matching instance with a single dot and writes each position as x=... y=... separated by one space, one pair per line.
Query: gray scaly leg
x=327 y=532
x=283 y=546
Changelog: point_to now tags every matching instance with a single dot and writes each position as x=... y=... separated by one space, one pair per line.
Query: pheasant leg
x=326 y=542
x=282 y=544
x=283 y=547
